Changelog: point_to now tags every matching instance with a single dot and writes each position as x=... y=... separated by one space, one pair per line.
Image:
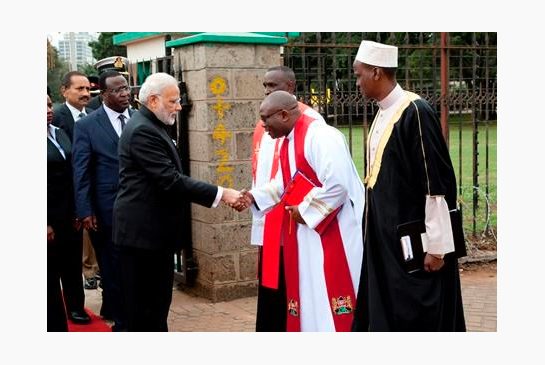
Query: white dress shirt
x=75 y=112
x=114 y=118
x=52 y=136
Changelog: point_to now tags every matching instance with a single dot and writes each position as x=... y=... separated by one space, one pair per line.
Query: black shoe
x=91 y=283
x=106 y=314
x=79 y=317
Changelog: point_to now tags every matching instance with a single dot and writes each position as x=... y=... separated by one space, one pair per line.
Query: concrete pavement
x=193 y=314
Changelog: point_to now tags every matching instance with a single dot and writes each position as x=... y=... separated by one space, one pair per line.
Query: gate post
x=224 y=77
x=444 y=85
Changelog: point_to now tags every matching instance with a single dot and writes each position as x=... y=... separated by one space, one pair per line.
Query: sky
x=56 y=36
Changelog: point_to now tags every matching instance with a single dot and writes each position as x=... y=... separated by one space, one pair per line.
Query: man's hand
x=294 y=214
x=90 y=223
x=230 y=196
x=244 y=200
x=50 y=233
x=432 y=263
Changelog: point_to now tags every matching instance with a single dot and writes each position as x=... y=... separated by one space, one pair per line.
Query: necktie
x=81 y=115
x=122 y=119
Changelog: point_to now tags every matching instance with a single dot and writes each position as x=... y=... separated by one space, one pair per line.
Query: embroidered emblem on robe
x=293 y=308
x=341 y=305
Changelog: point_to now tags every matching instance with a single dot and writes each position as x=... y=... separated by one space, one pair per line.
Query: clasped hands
x=238 y=200
x=243 y=199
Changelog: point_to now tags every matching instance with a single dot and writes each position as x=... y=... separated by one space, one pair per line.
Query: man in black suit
x=96 y=176
x=148 y=209
x=56 y=313
x=75 y=89
x=63 y=233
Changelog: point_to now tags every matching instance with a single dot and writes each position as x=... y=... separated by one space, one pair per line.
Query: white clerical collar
x=394 y=95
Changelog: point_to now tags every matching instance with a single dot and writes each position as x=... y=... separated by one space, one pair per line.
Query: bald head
x=279 y=112
x=280 y=100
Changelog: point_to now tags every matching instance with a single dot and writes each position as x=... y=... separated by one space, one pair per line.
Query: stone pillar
x=224 y=78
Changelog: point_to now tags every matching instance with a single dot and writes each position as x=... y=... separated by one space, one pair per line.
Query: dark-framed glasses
x=120 y=89
x=265 y=117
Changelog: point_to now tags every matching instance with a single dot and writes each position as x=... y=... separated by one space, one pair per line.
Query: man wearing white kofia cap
x=409 y=177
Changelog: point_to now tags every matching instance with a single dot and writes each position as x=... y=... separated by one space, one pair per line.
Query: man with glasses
x=96 y=177
x=321 y=236
x=271 y=297
x=148 y=210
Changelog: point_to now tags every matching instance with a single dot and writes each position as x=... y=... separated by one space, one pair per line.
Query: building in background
x=74 y=49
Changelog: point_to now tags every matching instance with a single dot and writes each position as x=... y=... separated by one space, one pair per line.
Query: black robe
x=389 y=299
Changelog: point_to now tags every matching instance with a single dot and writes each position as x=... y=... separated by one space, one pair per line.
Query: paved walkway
x=192 y=314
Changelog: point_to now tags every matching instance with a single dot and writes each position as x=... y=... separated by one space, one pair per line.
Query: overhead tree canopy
x=55 y=71
x=104 y=46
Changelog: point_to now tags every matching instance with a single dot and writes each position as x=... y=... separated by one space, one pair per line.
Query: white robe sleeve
x=438 y=239
x=327 y=154
x=268 y=195
x=265 y=158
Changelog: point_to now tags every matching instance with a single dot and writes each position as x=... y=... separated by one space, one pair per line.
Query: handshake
x=238 y=200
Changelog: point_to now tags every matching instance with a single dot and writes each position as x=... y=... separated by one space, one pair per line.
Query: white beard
x=165 y=117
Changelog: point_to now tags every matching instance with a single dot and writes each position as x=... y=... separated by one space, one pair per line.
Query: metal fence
x=455 y=72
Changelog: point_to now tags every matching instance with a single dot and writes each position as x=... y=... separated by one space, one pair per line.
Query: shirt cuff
x=218 y=197
x=439 y=239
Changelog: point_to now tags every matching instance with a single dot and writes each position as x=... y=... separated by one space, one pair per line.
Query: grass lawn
x=486 y=187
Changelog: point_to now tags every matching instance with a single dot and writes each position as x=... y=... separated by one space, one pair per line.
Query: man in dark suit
x=63 y=233
x=96 y=175
x=148 y=209
x=56 y=313
x=75 y=89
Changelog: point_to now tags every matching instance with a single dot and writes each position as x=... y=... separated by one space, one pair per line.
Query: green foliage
x=461 y=133
x=104 y=46
x=88 y=69
x=54 y=77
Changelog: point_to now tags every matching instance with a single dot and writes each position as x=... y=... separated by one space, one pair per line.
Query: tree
x=55 y=71
x=88 y=69
x=104 y=46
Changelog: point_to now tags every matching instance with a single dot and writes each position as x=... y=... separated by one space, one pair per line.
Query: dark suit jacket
x=152 y=187
x=62 y=118
x=60 y=193
x=96 y=167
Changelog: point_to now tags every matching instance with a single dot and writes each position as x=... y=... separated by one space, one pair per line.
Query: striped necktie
x=122 y=119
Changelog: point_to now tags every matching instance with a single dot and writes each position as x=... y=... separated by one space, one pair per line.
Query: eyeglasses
x=265 y=117
x=120 y=89
x=172 y=101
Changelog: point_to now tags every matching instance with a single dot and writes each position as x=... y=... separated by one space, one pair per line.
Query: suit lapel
x=69 y=119
x=104 y=122
x=63 y=140
x=173 y=149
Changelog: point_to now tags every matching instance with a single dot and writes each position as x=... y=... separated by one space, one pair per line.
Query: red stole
x=340 y=289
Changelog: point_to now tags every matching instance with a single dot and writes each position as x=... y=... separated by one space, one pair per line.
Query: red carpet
x=96 y=324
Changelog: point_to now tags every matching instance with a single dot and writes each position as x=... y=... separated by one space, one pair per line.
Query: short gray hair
x=154 y=85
